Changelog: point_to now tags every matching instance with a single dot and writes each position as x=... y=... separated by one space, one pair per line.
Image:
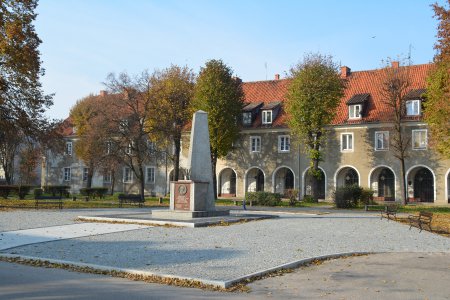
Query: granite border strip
x=175 y=223
x=135 y=221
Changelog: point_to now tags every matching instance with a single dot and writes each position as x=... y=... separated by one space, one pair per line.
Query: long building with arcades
x=358 y=150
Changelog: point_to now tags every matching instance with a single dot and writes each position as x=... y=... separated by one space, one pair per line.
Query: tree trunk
x=89 y=178
x=213 y=165
x=113 y=182
x=141 y=182
x=404 y=187
x=176 y=161
x=9 y=173
x=315 y=180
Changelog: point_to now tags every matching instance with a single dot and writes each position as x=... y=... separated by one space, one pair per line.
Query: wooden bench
x=389 y=211
x=131 y=199
x=423 y=219
x=372 y=207
x=48 y=200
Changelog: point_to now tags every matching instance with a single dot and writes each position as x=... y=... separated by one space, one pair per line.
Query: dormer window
x=267 y=117
x=354 y=111
x=247 y=118
x=357 y=105
x=413 y=107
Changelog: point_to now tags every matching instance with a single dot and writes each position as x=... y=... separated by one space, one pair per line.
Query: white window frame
x=85 y=174
x=284 y=143
x=415 y=104
x=257 y=145
x=126 y=179
x=349 y=148
x=69 y=148
x=265 y=116
x=352 y=111
x=107 y=177
x=149 y=179
x=67 y=174
x=417 y=131
x=385 y=147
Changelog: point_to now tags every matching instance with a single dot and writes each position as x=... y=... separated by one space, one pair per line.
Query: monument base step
x=180 y=214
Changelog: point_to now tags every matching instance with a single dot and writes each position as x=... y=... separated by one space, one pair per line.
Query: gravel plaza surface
x=221 y=253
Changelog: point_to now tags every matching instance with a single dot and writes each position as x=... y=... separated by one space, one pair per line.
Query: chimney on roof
x=395 y=64
x=103 y=93
x=277 y=76
x=345 y=71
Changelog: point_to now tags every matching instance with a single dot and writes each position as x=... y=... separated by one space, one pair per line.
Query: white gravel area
x=226 y=252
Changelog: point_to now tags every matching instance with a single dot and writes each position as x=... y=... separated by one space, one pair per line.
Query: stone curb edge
x=222 y=284
x=292 y=265
x=112 y=269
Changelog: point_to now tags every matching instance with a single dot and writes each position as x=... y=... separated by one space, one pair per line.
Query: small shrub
x=94 y=192
x=347 y=196
x=57 y=190
x=100 y=192
x=263 y=198
x=309 y=199
x=22 y=191
x=38 y=192
x=85 y=192
x=367 y=197
x=292 y=195
x=5 y=190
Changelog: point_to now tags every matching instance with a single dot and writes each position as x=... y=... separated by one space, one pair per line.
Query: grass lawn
x=107 y=202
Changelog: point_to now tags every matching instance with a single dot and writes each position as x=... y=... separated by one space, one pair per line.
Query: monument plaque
x=182 y=196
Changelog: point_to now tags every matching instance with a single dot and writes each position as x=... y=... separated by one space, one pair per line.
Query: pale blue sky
x=84 y=40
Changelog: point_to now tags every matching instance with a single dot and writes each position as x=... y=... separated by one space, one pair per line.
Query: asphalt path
x=377 y=276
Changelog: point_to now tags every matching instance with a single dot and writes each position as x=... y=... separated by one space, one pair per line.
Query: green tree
x=437 y=105
x=172 y=91
x=219 y=94
x=311 y=101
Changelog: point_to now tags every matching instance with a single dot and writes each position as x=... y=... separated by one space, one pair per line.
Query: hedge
x=94 y=192
x=20 y=190
x=263 y=198
x=61 y=190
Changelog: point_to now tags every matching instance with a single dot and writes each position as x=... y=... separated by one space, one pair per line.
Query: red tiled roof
x=67 y=127
x=360 y=82
x=369 y=82
x=265 y=91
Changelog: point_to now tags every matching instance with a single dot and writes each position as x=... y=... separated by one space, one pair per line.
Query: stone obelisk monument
x=194 y=198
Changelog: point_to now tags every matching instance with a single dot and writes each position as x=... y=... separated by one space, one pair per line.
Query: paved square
x=226 y=253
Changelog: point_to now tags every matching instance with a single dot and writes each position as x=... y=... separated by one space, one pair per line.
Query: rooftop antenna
x=409 y=54
x=265 y=66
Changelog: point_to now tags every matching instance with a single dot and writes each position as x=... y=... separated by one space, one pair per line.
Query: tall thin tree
x=219 y=94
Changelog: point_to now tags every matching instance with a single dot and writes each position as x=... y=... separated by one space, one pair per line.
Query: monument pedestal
x=194 y=198
x=189 y=199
